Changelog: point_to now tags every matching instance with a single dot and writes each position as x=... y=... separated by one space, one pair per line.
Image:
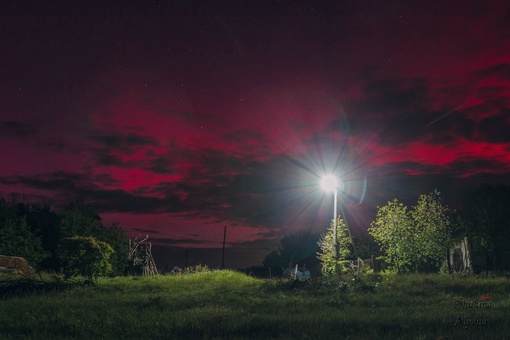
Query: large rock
x=15 y=265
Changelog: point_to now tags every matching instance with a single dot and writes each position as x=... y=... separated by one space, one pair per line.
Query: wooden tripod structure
x=140 y=257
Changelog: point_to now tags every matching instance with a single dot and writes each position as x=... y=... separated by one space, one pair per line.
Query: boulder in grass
x=15 y=265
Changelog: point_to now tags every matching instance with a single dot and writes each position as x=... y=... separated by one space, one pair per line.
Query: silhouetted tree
x=79 y=218
x=273 y=261
x=45 y=222
x=35 y=232
x=118 y=239
x=366 y=246
x=486 y=213
x=298 y=248
x=16 y=236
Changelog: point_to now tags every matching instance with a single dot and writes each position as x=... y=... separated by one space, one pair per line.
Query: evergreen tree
x=326 y=254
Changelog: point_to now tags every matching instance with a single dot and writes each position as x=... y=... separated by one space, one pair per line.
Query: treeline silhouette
x=35 y=232
x=485 y=219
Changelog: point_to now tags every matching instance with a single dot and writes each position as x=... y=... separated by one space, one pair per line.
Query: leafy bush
x=414 y=240
x=85 y=256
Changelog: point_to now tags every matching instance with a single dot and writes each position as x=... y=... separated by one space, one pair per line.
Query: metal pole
x=335 y=224
x=223 y=251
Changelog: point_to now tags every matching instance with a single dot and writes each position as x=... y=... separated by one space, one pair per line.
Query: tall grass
x=227 y=304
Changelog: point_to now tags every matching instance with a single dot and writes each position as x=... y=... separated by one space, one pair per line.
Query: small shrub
x=85 y=256
x=372 y=277
x=443 y=270
x=356 y=284
x=199 y=268
x=324 y=284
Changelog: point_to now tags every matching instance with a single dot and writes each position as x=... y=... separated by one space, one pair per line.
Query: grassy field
x=227 y=304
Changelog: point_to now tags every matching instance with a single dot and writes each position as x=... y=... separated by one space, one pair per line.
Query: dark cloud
x=56 y=181
x=105 y=158
x=223 y=188
x=491 y=91
x=472 y=166
x=19 y=130
x=499 y=71
x=180 y=241
x=452 y=126
x=161 y=165
x=397 y=107
x=394 y=94
x=124 y=142
x=244 y=136
x=105 y=180
x=145 y=231
x=125 y=201
x=69 y=186
x=495 y=129
x=116 y=149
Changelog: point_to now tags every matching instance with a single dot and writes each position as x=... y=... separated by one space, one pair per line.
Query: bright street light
x=330 y=183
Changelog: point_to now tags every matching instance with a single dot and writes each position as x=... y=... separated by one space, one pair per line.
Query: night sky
x=178 y=118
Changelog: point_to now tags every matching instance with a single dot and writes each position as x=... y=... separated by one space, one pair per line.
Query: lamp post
x=330 y=183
